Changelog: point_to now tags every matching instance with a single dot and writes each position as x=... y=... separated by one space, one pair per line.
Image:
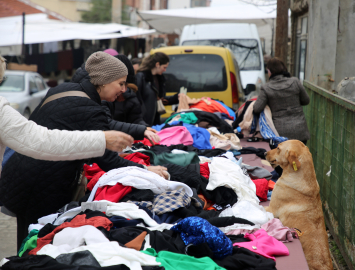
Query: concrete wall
x=173 y=4
x=345 y=58
x=70 y=9
x=322 y=42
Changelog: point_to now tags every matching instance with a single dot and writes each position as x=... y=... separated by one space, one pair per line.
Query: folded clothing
x=175 y=135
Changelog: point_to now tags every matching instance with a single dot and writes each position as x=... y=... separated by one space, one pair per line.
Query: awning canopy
x=173 y=20
x=40 y=29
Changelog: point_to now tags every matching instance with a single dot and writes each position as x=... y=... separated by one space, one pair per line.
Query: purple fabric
x=175 y=135
x=275 y=228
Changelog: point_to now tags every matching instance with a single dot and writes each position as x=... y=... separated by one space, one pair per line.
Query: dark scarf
x=285 y=74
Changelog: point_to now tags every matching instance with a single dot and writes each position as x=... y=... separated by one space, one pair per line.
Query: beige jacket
x=30 y=139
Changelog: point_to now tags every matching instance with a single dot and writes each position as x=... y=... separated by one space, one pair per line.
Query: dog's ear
x=293 y=160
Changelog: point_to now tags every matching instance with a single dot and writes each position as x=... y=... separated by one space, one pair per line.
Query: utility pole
x=116 y=17
x=281 y=47
x=23 y=51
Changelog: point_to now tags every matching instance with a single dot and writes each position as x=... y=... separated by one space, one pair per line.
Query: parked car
x=24 y=90
x=206 y=71
x=242 y=38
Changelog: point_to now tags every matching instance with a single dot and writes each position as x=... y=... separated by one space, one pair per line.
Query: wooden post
x=23 y=50
x=116 y=17
x=282 y=30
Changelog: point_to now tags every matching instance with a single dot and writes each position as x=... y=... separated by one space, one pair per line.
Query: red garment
x=139 y=158
x=78 y=221
x=93 y=174
x=271 y=185
x=146 y=142
x=213 y=107
x=205 y=170
x=262 y=187
x=112 y=193
x=90 y=171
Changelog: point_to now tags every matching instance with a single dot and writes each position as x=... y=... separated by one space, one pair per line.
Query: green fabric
x=178 y=159
x=30 y=242
x=170 y=158
x=189 y=118
x=176 y=261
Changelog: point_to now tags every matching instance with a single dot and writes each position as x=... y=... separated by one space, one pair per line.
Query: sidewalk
x=8 y=227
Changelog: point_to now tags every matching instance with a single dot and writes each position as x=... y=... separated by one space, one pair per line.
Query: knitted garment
x=196 y=230
x=104 y=68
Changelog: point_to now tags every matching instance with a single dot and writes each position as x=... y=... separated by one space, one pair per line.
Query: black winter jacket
x=128 y=111
x=33 y=188
x=148 y=94
x=136 y=130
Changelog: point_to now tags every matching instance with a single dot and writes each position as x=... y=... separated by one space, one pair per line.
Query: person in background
x=30 y=139
x=136 y=62
x=151 y=87
x=285 y=96
x=33 y=188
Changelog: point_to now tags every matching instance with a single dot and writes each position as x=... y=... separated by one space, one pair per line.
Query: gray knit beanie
x=104 y=68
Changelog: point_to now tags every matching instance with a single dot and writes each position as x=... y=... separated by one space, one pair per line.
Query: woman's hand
x=152 y=129
x=151 y=136
x=117 y=141
x=160 y=170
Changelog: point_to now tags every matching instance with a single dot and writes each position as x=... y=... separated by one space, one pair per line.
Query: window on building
x=301 y=47
x=199 y=3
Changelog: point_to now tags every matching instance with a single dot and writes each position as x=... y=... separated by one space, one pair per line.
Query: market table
x=296 y=260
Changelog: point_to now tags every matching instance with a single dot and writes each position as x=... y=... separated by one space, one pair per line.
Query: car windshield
x=12 y=83
x=196 y=72
x=245 y=50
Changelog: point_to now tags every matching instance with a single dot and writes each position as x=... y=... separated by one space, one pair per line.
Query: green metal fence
x=331 y=121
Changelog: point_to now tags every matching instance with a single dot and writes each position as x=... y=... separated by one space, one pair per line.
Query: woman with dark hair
x=285 y=96
x=151 y=87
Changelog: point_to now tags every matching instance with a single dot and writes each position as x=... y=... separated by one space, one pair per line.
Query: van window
x=245 y=50
x=196 y=72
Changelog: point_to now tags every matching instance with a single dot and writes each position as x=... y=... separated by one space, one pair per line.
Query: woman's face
x=269 y=73
x=110 y=92
x=161 y=68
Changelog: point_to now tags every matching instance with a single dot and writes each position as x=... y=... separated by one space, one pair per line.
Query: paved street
x=7 y=236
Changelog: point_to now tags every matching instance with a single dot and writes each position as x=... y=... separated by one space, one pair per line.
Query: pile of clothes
x=260 y=125
x=205 y=216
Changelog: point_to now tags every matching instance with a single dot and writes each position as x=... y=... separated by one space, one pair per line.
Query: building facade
x=322 y=49
x=70 y=9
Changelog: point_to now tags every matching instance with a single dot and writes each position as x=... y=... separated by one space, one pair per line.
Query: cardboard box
x=14 y=66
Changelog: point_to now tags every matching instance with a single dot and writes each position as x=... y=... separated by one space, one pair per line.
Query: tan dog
x=296 y=201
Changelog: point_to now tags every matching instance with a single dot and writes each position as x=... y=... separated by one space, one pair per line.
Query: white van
x=241 y=38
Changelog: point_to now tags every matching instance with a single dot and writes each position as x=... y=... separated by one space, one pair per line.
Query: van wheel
x=27 y=113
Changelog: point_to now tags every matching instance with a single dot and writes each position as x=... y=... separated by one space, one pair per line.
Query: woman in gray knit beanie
x=107 y=74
